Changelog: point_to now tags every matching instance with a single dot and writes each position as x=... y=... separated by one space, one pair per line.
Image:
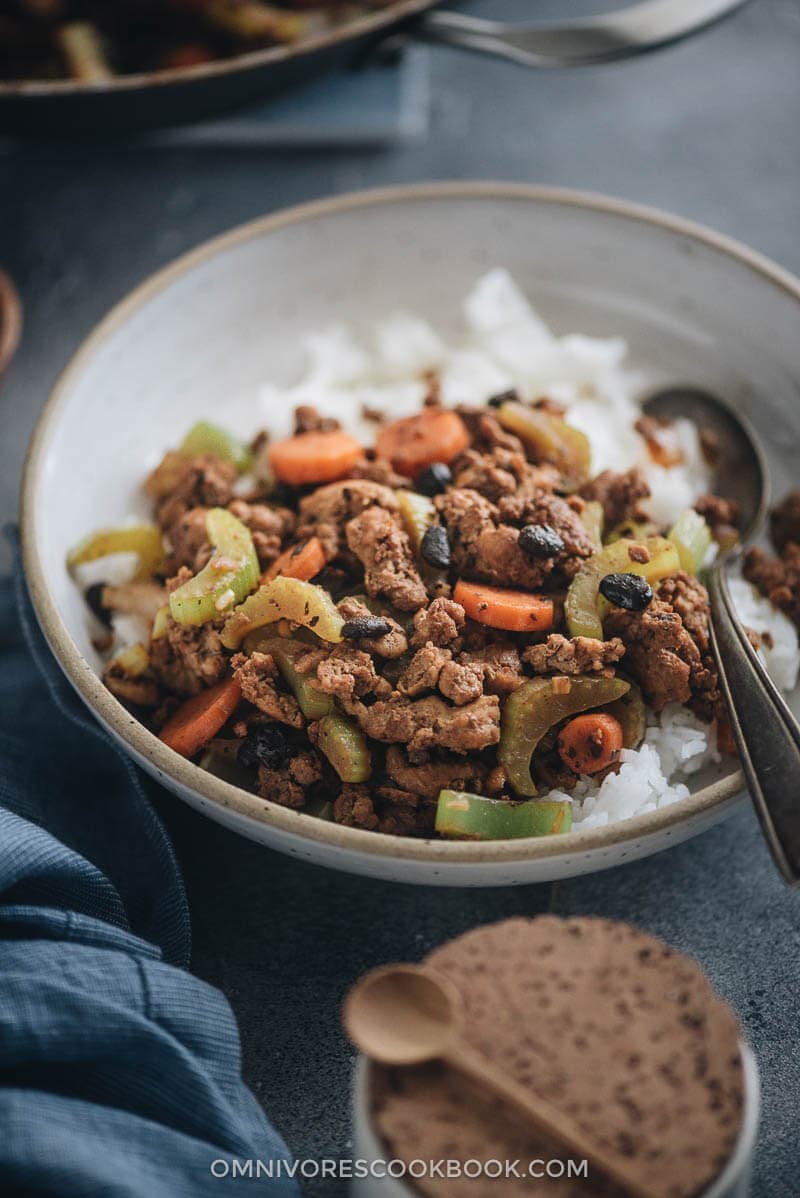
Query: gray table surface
x=709 y=130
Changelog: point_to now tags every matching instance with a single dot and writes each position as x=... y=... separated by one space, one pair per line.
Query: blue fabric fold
x=120 y=1073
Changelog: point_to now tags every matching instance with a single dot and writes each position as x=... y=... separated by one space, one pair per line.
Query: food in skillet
x=91 y=41
x=452 y=622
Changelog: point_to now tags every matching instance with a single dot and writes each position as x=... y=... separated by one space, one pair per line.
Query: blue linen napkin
x=120 y=1074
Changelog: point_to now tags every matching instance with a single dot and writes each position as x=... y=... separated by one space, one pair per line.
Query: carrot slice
x=590 y=742
x=302 y=561
x=514 y=611
x=433 y=435
x=199 y=719
x=317 y=457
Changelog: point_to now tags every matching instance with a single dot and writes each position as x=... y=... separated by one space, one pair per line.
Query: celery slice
x=313 y=703
x=285 y=599
x=691 y=536
x=549 y=439
x=585 y=607
x=345 y=746
x=205 y=437
x=229 y=576
x=142 y=539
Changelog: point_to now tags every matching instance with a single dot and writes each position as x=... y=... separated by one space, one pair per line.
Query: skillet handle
x=580 y=42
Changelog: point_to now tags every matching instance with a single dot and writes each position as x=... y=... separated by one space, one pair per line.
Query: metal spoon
x=627 y=31
x=767 y=734
x=408 y=1014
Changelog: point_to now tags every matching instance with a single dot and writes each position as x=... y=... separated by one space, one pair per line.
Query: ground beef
x=579 y=655
x=349 y=675
x=620 y=495
x=392 y=644
x=429 y=777
x=288 y=786
x=378 y=470
x=269 y=527
x=499 y=666
x=258 y=677
x=422 y=672
x=564 y=517
x=777 y=578
x=784 y=521
x=424 y=724
x=187 y=540
x=494 y=474
x=204 y=481
x=441 y=623
x=384 y=550
x=461 y=681
x=689 y=598
x=667 y=648
x=188 y=657
x=721 y=515
x=658 y=651
x=308 y=420
x=326 y=511
x=484 y=537
x=467 y=516
x=388 y=809
x=355 y=809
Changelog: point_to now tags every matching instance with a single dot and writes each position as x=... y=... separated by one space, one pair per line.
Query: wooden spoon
x=407 y=1014
x=10 y=320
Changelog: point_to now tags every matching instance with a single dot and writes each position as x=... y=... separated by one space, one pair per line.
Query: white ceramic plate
x=201 y=336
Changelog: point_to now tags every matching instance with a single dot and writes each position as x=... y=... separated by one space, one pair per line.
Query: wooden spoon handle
x=545 y=1117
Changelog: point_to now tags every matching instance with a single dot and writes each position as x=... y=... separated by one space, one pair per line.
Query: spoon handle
x=546 y=1117
x=767 y=734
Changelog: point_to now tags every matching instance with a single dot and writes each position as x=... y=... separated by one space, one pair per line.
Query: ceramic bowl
x=201 y=336
x=732 y=1182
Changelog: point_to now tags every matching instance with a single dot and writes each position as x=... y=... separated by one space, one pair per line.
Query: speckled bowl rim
x=349 y=31
x=80 y=673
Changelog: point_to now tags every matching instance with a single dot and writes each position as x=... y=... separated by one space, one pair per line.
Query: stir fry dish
x=444 y=633
x=90 y=41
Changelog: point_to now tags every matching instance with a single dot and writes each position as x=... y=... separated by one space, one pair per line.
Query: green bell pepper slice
x=585 y=607
x=230 y=574
x=285 y=599
x=535 y=707
x=345 y=746
x=205 y=437
x=475 y=817
x=142 y=539
x=691 y=536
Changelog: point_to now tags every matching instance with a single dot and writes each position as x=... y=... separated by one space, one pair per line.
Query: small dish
x=733 y=1181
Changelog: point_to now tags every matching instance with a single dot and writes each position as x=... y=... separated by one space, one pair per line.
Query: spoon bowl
x=403 y=1015
x=740 y=465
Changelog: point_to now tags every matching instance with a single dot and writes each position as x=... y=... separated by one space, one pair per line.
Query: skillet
x=128 y=103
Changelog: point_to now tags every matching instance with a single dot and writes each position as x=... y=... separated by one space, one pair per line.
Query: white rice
x=503 y=343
